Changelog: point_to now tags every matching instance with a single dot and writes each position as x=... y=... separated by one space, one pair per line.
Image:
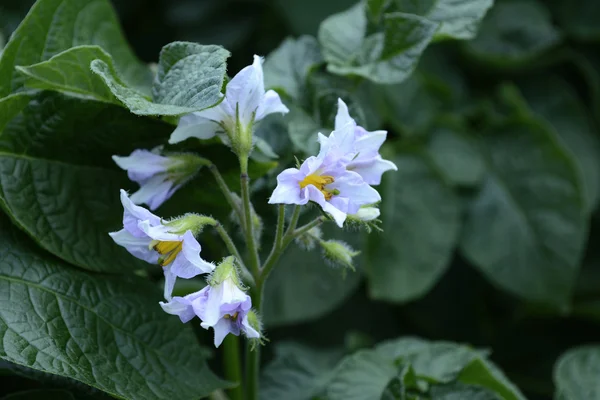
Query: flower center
x=168 y=251
x=232 y=317
x=319 y=181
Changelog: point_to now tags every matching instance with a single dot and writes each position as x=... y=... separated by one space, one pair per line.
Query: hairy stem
x=246 y=275
x=232 y=365
x=227 y=193
x=253 y=355
x=247 y=210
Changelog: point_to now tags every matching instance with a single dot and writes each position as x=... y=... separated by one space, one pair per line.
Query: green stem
x=305 y=228
x=247 y=210
x=253 y=356
x=246 y=275
x=293 y=220
x=226 y=192
x=232 y=365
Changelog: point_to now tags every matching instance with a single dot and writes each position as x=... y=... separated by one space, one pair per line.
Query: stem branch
x=247 y=209
x=232 y=365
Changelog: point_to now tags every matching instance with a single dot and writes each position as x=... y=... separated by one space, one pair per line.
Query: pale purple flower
x=325 y=180
x=245 y=99
x=158 y=176
x=363 y=157
x=155 y=241
x=221 y=305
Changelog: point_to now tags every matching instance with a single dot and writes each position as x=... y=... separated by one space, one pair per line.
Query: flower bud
x=339 y=253
x=256 y=324
x=308 y=240
x=190 y=222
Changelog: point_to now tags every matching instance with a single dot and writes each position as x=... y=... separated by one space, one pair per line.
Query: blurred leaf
x=53 y=26
x=514 y=32
x=303 y=287
x=554 y=100
x=459 y=19
x=40 y=394
x=525 y=229
x=578 y=18
x=385 y=57
x=576 y=374
x=297 y=372
x=69 y=72
x=456 y=155
x=58 y=181
x=456 y=391
x=288 y=66
x=304 y=16
x=94 y=329
x=420 y=232
x=375 y=9
x=483 y=373
x=189 y=78
x=363 y=375
x=303 y=130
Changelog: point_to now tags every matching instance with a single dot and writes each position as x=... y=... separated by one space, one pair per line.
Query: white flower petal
x=246 y=90
x=169 y=283
x=155 y=191
x=318 y=197
x=196 y=125
x=249 y=331
x=270 y=104
x=372 y=171
x=343 y=116
x=188 y=263
x=142 y=164
x=288 y=188
x=136 y=246
x=221 y=328
x=132 y=214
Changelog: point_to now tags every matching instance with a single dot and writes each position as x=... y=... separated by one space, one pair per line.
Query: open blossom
x=221 y=305
x=363 y=157
x=325 y=180
x=172 y=244
x=158 y=176
x=245 y=102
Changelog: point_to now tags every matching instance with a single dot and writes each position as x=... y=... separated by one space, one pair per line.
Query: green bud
x=190 y=222
x=184 y=166
x=308 y=240
x=256 y=324
x=338 y=253
x=365 y=218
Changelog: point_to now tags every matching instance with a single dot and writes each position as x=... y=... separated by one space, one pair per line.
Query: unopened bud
x=339 y=253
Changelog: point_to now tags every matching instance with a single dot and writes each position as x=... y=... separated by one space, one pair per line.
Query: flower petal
x=270 y=104
x=370 y=143
x=132 y=214
x=188 y=263
x=245 y=91
x=288 y=188
x=136 y=246
x=372 y=170
x=169 y=283
x=343 y=116
x=359 y=193
x=155 y=191
x=249 y=331
x=315 y=195
x=141 y=165
x=221 y=328
x=182 y=306
x=196 y=125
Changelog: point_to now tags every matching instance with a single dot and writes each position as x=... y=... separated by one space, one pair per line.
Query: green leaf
x=579 y=21
x=504 y=40
x=303 y=130
x=53 y=26
x=363 y=375
x=376 y=8
x=11 y=106
x=94 y=329
x=287 y=67
x=484 y=373
x=189 y=78
x=59 y=183
x=297 y=372
x=305 y=275
x=69 y=72
x=555 y=101
x=576 y=374
x=526 y=230
x=385 y=57
x=456 y=391
x=40 y=394
x=459 y=19
x=456 y=155
x=420 y=231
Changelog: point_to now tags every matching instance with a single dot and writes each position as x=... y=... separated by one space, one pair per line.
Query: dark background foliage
x=474 y=83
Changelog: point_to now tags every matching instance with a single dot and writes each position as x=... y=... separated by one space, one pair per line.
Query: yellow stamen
x=233 y=317
x=318 y=181
x=172 y=248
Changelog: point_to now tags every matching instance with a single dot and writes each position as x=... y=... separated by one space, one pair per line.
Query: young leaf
x=190 y=77
x=576 y=374
x=53 y=26
x=58 y=181
x=459 y=19
x=94 y=329
x=420 y=231
x=504 y=40
x=385 y=57
x=288 y=66
x=456 y=391
x=526 y=228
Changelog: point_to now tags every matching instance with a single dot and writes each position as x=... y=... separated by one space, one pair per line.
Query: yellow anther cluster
x=318 y=181
x=169 y=249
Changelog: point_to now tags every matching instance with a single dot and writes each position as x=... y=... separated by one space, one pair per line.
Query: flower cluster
x=339 y=178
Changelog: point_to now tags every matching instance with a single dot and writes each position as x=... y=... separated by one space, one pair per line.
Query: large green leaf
x=576 y=374
x=420 y=231
x=363 y=375
x=305 y=275
x=506 y=40
x=53 y=26
x=297 y=372
x=40 y=394
x=554 y=100
x=459 y=19
x=525 y=229
x=58 y=181
x=95 y=329
x=385 y=57
x=288 y=66
x=462 y=392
